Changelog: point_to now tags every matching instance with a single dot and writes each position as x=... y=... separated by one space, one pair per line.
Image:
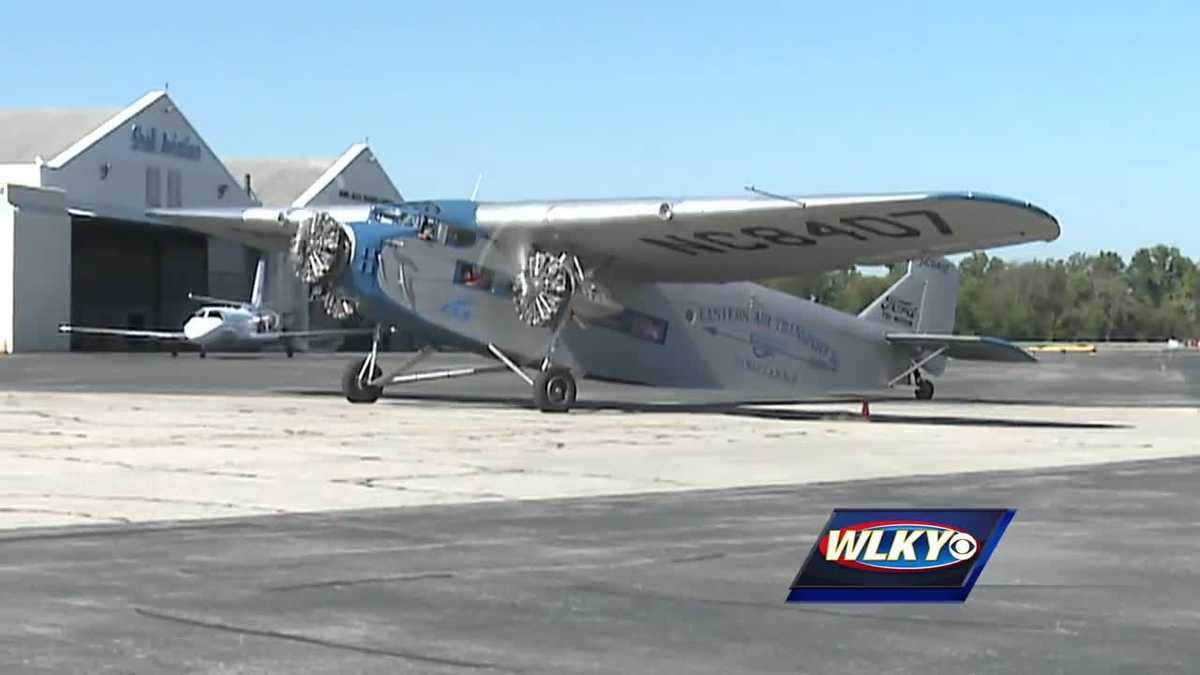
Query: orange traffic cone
x=866 y=411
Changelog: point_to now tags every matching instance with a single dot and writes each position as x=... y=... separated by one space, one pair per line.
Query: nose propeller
x=319 y=251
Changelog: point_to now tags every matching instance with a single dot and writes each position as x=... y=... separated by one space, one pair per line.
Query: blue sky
x=1088 y=109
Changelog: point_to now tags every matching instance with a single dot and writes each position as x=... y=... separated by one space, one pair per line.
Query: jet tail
x=260 y=280
x=924 y=300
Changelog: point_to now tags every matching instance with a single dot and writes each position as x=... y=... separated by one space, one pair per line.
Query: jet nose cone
x=196 y=328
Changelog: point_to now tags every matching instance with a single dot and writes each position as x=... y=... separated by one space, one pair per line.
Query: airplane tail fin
x=924 y=300
x=260 y=280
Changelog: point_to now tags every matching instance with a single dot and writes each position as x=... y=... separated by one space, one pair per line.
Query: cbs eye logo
x=962 y=546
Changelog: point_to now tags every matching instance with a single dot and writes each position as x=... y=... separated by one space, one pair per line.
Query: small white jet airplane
x=226 y=325
x=653 y=291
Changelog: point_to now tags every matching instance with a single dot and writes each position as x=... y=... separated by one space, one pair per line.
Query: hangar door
x=133 y=275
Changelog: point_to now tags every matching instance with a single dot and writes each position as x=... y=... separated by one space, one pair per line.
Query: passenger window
x=472 y=276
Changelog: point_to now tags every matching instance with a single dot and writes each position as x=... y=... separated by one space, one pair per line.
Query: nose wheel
x=554 y=390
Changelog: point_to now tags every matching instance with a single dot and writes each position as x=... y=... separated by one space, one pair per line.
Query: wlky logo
x=895 y=555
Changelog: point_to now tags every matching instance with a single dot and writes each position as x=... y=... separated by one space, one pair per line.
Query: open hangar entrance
x=76 y=245
x=133 y=275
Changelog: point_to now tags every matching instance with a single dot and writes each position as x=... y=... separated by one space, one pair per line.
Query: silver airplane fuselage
x=740 y=337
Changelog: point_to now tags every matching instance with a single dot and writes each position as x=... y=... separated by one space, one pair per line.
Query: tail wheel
x=924 y=390
x=554 y=390
x=355 y=389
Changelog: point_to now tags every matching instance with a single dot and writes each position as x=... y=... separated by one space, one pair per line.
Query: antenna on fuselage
x=478 y=180
x=772 y=195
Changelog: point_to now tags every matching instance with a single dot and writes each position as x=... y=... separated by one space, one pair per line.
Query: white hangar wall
x=35 y=267
x=76 y=244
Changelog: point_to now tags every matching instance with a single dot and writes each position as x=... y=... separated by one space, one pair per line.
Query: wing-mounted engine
x=550 y=284
x=319 y=251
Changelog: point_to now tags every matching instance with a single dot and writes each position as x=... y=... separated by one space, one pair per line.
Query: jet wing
x=123 y=332
x=754 y=237
x=325 y=333
x=966 y=347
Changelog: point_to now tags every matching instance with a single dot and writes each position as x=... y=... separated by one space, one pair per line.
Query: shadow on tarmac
x=734 y=409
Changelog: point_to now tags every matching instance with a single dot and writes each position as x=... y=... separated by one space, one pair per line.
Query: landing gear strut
x=554 y=388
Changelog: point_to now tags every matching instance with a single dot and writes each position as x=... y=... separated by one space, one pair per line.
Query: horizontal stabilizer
x=123 y=333
x=966 y=347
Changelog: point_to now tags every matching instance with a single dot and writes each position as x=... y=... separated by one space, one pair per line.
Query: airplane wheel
x=290 y=352
x=924 y=390
x=203 y=354
x=554 y=390
x=354 y=389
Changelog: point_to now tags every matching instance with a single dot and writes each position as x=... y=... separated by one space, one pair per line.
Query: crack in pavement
x=59 y=512
x=137 y=467
x=321 y=642
x=332 y=583
x=137 y=498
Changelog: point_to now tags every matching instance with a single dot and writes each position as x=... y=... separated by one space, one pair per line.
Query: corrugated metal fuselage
x=740 y=337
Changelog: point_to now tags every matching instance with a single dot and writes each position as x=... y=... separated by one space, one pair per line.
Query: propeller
x=543 y=286
x=318 y=253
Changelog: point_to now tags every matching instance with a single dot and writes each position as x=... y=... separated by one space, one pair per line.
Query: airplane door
x=397 y=272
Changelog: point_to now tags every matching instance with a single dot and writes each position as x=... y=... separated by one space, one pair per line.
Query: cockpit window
x=456 y=236
x=428 y=227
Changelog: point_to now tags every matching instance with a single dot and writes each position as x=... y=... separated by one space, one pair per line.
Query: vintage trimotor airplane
x=228 y=325
x=653 y=291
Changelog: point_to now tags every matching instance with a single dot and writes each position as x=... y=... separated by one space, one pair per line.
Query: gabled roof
x=296 y=181
x=331 y=173
x=278 y=181
x=28 y=133
x=111 y=124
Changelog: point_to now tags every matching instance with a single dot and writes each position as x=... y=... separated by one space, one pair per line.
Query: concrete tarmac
x=1097 y=574
x=1125 y=378
x=234 y=514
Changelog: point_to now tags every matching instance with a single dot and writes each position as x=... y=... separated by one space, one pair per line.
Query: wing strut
x=917 y=364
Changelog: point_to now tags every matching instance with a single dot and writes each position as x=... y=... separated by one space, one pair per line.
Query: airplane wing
x=706 y=239
x=966 y=347
x=123 y=332
x=325 y=333
x=756 y=237
x=217 y=301
x=262 y=228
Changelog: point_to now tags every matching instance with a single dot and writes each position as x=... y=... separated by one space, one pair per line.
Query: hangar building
x=76 y=245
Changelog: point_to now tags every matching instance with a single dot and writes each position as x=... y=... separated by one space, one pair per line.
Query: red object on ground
x=866 y=411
